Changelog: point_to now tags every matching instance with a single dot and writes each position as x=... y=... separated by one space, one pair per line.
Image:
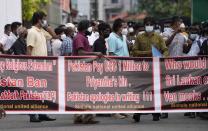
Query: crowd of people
x=96 y=37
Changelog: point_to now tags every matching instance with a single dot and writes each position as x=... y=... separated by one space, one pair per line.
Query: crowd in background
x=96 y=37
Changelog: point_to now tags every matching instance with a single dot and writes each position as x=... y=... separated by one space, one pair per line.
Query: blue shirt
x=118 y=45
x=66 y=46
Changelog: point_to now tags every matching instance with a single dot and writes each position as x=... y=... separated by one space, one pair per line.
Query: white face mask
x=89 y=29
x=63 y=36
x=124 y=31
x=44 y=23
x=75 y=33
x=149 y=28
x=133 y=42
x=157 y=31
x=96 y=34
x=193 y=36
x=131 y=29
x=182 y=25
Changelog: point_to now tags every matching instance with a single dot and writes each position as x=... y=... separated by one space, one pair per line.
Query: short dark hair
x=149 y=20
x=204 y=27
x=83 y=25
x=7 y=27
x=15 y=25
x=196 y=24
x=59 y=30
x=37 y=16
x=175 y=19
x=103 y=26
x=117 y=24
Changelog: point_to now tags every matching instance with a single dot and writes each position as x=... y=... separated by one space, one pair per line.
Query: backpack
x=204 y=48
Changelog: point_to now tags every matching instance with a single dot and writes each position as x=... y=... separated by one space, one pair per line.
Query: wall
x=10 y=11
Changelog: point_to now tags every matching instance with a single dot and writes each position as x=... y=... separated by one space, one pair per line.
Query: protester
x=13 y=36
x=81 y=47
x=20 y=47
x=132 y=34
x=36 y=46
x=4 y=37
x=66 y=47
x=143 y=48
x=100 y=44
x=174 y=37
x=204 y=46
x=56 y=43
x=145 y=41
x=2 y=113
x=196 y=38
x=117 y=41
x=95 y=35
x=117 y=46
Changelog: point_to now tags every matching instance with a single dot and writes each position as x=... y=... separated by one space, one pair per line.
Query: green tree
x=30 y=6
x=165 y=8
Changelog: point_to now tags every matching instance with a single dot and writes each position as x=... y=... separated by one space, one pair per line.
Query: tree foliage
x=30 y=6
x=165 y=8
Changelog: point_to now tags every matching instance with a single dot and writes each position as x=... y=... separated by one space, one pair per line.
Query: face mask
x=131 y=30
x=89 y=29
x=75 y=34
x=133 y=42
x=44 y=23
x=87 y=33
x=182 y=25
x=97 y=34
x=124 y=31
x=149 y=29
x=157 y=31
x=106 y=35
x=63 y=36
x=193 y=36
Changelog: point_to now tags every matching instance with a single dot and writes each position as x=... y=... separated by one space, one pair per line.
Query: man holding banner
x=143 y=48
x=81 y=47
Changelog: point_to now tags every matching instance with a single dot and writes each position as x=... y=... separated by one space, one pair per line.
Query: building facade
x=58 y=12
x=102 y=9
x=10 y=12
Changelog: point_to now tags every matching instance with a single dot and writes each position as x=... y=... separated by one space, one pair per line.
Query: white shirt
x=56 y=47
x=176 y=46
x=11 y=39
x=195 y=48
x=3 y=39
x=94 y=36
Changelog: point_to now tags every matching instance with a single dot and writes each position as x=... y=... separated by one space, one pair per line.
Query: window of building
x=114 y=1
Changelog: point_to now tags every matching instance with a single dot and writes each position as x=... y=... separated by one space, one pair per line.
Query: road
x=175 y=122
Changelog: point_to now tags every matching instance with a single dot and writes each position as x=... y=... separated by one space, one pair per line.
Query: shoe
x=77 y=121
x=164 y=116
x=34 y=118
x=46 y=118
x=118 y=116
x=193 y=115
x=136 y=117
x=156 y=118
x=187 y=114
x=91 y=122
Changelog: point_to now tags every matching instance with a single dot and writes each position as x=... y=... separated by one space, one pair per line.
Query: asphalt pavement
x=175 y=122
